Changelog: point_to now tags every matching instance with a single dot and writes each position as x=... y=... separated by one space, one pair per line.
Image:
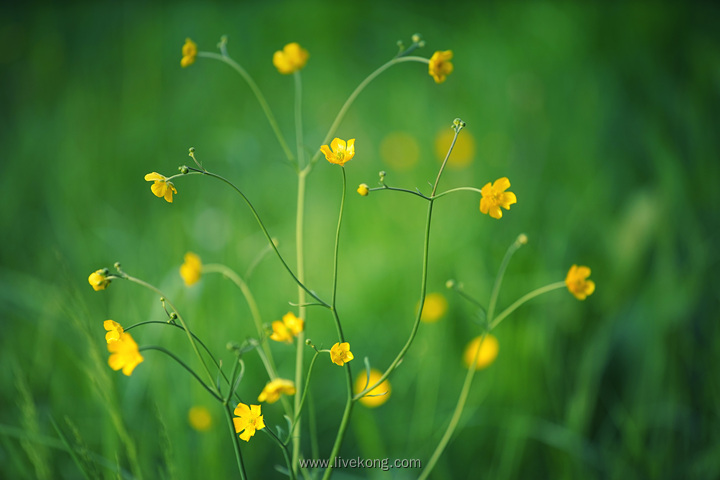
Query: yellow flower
x=125 y=354
x=488 y=351
x=191 y=269
x=340 y=353
x=200 y=419
x=249 y=420
x=434 y=308
x=494 y=196
x=98 y=279
x=363 y=190
x=114 y=331
x=289 y=327
x=341 y=152
x=161 y=187
x=577 y=282
x=440 y=66
x=291 y=59
x=189 y=52
x=378 y=395
x=272 y=391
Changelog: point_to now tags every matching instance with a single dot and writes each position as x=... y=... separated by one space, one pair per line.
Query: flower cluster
x=289 y=327
x=189 y=52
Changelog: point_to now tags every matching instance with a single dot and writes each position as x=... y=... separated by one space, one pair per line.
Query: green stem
x=455 y=419
x=236 y=441
x=348 y=103
x=258 y=94
x=471 y=189
x=499 y=278
x=523 y=299
x=423 y=281
x=298 y=409
x=184 y=365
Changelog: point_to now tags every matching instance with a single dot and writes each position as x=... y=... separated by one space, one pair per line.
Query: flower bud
x=450 y=283
x=363 y=190
x=184 y=169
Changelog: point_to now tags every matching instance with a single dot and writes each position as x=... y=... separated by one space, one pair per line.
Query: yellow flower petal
x=494 y=196
x=577 y=282
x=154 y=177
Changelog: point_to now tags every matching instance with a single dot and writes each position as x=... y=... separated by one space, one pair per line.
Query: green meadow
x=604 y=117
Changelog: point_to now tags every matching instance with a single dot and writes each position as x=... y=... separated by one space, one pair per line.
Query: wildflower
x=494 y=196
x=161 y=187
x=440 y=66
x=434 y=308
x=189 y=52
x=289 y=327
x=378 y=395
x=125 y=354
x=363 y=190
x=341 y=152
x=114 y=331
x=98 y=279
x=488 y=351
x=291 y=59
x=249 y=420
x=191 y=269
x=340 y=353
x=577 y=282
x=272 y=391
x=199 y=418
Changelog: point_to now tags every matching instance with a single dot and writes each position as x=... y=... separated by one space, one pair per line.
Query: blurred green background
x=604 y=117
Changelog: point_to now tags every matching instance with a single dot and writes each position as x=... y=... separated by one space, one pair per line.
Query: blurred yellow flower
x=434 y=308
x=440 y=66
x=577 y=282
x=250 y=420
x=341 y=152
x=488 y=351
x=114 y=331
x=340 y=353
x=189 y=52
x=125 y=354
x=199 y=418
x=363 y=189
x=494 y=196
x=290 y=59
x=400 y=150
x=381 y=392
x=191 y=269
x=98 y=279
x=161 y=187
x=285 y=330
x=463 y=152
x=272 y=391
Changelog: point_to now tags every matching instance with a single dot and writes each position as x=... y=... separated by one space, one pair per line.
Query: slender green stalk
x=348 y=103
x=423 y=281
x=456 y=414
x=258 y=94
x=470 y=189
x=523 y=299
x=184 y=365
x=499 y=278
x=236 y=441
x=296 y=420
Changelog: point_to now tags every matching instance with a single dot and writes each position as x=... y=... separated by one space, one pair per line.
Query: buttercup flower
x=285 y=330
x=340 y=353
x=125 y=354
x=494 y=196
x=488 y=351
x=189 y=52
x=363 y=190
x=381 y=392
x=577 y=282
x=161 y=187
x=114 y=331
x=249 y=420
x=98 y=279
x=440 y=66
x=341 y=152
x=290 y=59
x=200 y=419
x=272 y=391
x=434 y=308
x=191 y=269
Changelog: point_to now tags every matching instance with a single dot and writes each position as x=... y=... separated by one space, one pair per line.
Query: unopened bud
x=522 y=239
x=363 y=190
x=450 y=283
x=184 y=169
